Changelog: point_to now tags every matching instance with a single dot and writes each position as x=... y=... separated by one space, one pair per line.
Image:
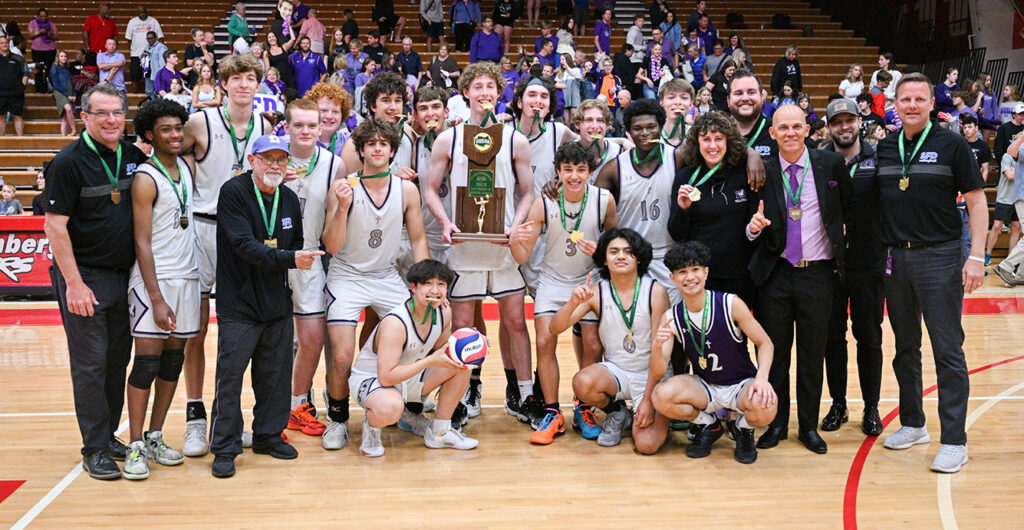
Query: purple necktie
x=794 y=242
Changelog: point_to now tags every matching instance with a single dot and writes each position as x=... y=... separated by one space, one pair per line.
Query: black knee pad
x=171 y=362
x=577 y=330
x=144 y=371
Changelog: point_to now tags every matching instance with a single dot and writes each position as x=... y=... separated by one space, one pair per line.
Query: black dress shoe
x=812 y=440
x=872 y=425
x=276 y=449
x=837 y=415
x=223 y=466
x=100 y=466
x=117 y=450
x=772 y=437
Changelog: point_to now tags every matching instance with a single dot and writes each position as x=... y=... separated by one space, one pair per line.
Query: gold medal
x=301 y=172
x=629 y=339
x=237 y=168
x=486 y=105
x=432 y=124
x=353 y=181
x=703 y=361
x=596 y=136
x=183 y=221
x=694 y=195
x=904 y=183
x=575 y=236
x=795 y=214
x=115 y=196
x=272 y=242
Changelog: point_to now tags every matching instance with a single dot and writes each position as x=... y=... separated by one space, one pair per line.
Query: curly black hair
x=423 y=271
x=715 y=121
x=687 y=254
x=574 y=153
x=517 y=97
x=376 y=128
x=383 y=83
x=643 y=107
x=146 y=117
x=639 y=247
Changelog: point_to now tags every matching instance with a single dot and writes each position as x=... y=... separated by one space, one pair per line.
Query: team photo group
x=684 y=262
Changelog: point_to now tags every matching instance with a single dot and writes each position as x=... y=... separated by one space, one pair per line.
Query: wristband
x=976 y=258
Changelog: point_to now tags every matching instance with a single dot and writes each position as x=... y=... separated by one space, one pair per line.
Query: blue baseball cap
x=270 y=143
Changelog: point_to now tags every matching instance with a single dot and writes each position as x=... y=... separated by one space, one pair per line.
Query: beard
x=273 y=177
x=840 y=143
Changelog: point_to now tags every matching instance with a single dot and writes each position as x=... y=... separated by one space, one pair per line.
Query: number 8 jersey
x=372 y=236
x=643 y=202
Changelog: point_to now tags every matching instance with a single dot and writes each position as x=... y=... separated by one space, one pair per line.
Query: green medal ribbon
x=489 y=116
x=675 y=128
x=854 y=169
x=650 y=155
x=696 y=175
x=263 y=210
x=536 y=121
x=375 y=175
x=234 y=136
x=750 y=143
x=795 y=197
x=183 y=195
x=705 y=318
x=429 y=313
x=920 y=142
x=334 y=139
x=596 y=146
x=561 y=209
x=628 y=319
x=312 y=161
x=111 y=175
x=429 y=137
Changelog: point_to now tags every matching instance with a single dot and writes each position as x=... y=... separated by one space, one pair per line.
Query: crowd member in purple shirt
x=603 y=34
x=545 y=33
x=668 y=50
x=162 y=83
x=706 y=33
x=547 y=54
x=309 y=67
x=486 y=45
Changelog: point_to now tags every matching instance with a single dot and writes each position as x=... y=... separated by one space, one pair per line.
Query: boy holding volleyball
x=405 y=358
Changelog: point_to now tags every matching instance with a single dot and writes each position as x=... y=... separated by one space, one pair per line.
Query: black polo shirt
x=763 y=143
x=864 y=249
x=252 y=278
x=77 y=186
x=926 y=212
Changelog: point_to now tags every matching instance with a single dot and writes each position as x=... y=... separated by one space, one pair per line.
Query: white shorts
x=182 y=295
x=477 y=285
x=362 y=384
x=347 y=297
x=206 y=254
x=551 y=297
x=722 y=396
x=308 y=291
x=659 y=272
x=631 y=384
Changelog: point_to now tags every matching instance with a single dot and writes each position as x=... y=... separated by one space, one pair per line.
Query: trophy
x=480 y=206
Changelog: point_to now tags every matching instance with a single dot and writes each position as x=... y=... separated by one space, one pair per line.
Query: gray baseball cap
x=840 y=106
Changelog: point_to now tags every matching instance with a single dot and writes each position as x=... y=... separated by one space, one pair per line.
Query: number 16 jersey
x=643 y=202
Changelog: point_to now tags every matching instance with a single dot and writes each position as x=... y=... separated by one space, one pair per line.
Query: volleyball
x=467 y=346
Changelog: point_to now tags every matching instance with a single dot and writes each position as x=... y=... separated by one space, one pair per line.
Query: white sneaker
x=371 y=446
x=907 y=437
x=160 y=451
x=336 y=436
x=246 y=439
x=136 y=464
x=428 y=404
x=450 y=439
x=614 y=423
x=950 y=458
x=414 y=423
x=195 y=438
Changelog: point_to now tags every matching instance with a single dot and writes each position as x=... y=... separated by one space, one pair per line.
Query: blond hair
x=233 y=65
x=587 y=104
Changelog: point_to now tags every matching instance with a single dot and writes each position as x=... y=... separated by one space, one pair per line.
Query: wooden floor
x=506 y=482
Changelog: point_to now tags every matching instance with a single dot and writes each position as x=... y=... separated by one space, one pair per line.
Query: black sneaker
x=746 y=450
x=694 y=431
x=731 y=430
x=512 y=403
x=100 y=466
x=701 y=446
x=276 y=448
x=117 y=450
x=460 y=417
x=532 y=411
x=223 y=466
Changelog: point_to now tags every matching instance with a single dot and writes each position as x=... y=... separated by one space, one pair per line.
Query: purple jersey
x=728 y=361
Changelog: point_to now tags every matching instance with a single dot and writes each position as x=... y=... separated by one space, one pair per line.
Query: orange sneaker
x=552 y=425
x=301 y=420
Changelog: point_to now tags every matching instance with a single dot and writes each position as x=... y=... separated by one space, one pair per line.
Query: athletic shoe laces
x=587 y=417
x=546 y=422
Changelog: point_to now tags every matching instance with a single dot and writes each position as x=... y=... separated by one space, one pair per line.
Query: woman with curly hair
x=714 y=202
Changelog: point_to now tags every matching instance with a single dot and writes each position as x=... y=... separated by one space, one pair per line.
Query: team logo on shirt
x=286 y=223
x=763 y=150
x=928 y=157
x=741 y=196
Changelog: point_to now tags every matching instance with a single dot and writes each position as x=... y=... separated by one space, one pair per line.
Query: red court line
x=7 y=487
x=857 y=467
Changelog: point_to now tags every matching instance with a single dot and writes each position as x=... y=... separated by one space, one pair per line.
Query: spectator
x=565 y=42
x=1010 y=98
x=787 y=69
x=198 y=48
x=694 y=18
x=618 y=123
x=989 y=113
x=533 y=13
x=960 y=108
x=178 y=93
x=9 y=205
x=367 y=73
x=635 y=38
x=82 y=77
x=152 y=62
x=545 y=33
x=672 y=30
x=374 y=48
x=623 y=66
x=547 y=53
x=692 y=38
x=111 y=65
x=444 y=70
x=658 y=12
x=337 y=48
x=355 y=59
x=309 y=67
x=603 y=34
x=339 y=77
x=281 y=26
x=853 y=85
x=867 y=117
x=569 y=77
x=315 y=30
x=256 y=50
x=736 y=44
x=718 y=84
x=13 y=79
x=707 y=34
x=652 y=71
x=884 y=63
x=238 y=30
x=600 y=5
x=465 y=16
x=879 y=103
x=43 y=34
x=804 y=102
x=277 y=57
x=210 y=42
x=350 y=29
x=63 y=93
x=39 y=201
x=162 y=81
x=714 y=61
x=608 y=86
x=741 y=58
x=95 y=32
x=432 y=21
x=486 y=45
x=787 y=96
x=300 y=12
x=580 y=16
x=696 y=61
x=410 y=60
x=668 y=53
x=207 y=93
x=703 y=104
x=944 y=91
x=387 y=21
x=1004 y=213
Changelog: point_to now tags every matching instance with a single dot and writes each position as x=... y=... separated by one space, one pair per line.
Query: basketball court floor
x=506 y=482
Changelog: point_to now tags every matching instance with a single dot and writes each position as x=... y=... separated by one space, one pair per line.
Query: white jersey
x=431 y=225
x=614 y=150
x=312 y=191
x=644 y=202
x=542 y=154
x=612 y=329
x=477 y=256
x=373 y=234
x=215 y=168
x=174 y=247
x=563 y=263
x=403 y=156
x=415 y=348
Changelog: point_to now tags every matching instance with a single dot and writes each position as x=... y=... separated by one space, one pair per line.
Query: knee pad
x=577 y=330
x=144 y=371
x=171 y=362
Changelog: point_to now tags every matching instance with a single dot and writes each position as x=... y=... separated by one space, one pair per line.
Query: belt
x=917 y=244
x=207 y=216
x=803 y=264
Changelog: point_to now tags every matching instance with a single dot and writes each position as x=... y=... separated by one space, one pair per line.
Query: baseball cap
x=840 y=106
x=1018 y=108
x=270 y=143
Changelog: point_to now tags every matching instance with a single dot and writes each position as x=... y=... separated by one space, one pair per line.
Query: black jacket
x=784 y=71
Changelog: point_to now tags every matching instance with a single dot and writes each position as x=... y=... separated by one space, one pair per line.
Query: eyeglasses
x=279 y=162
x=104 y=114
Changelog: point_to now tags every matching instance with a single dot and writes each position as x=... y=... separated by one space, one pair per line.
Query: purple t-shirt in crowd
x=604 y=36
x=163 y=80
x=307 y=70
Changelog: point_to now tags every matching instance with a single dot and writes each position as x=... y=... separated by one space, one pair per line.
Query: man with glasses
x=259 y=238
x=89 y=224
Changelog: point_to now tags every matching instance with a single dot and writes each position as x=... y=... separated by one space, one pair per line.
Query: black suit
x=802 y=295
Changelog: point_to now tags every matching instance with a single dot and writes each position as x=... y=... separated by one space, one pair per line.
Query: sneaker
x=950 y=458
x=746 y=450
x=223 y=466
x=701 y=446
x=414 y=423
x=450 y=439
x=309 y=401
x=460 y=417
x=195 y=438
x=583 y=420
x=532 y=411
x=136 y=462
x=302 y=419
x=611 y=433
x=552 y=425
x=907 y=437
x=1005 y=275
x=512 y=403
x=335 y=436
x=694 y=431
x=371 y=446
x=160 y=451
x=247 y=439
x=472 y=399
x=988 y=259
x=678 y=425
x=117 y=450
x=731 y=430
x=429 y=405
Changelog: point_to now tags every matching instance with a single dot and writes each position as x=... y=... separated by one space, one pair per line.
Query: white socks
x=298 y=400
x=441 y=426
x=525 y=389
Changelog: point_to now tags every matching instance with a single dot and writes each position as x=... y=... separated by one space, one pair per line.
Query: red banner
x=25 y=256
